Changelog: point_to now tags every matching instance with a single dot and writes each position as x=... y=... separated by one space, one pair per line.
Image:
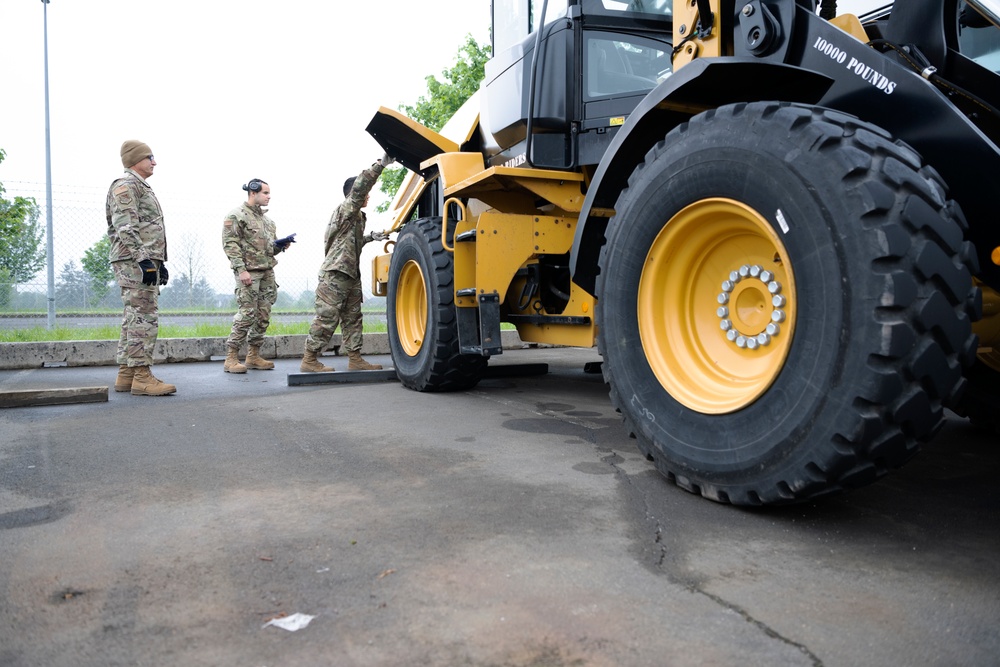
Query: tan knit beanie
x=134 y=152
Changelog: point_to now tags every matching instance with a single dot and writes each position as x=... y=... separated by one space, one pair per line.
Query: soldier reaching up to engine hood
x=338 y=293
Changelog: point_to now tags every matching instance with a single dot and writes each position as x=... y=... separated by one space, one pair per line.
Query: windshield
x=655 y=9
x=978 y=38
x=513 y=20
x=615 y=64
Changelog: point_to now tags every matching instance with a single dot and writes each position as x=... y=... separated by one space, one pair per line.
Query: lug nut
x=778 y=302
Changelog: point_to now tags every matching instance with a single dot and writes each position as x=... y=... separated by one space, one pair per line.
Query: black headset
x=255 y=185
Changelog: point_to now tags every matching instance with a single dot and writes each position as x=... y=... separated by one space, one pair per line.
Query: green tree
x=306 y=300
x=72 y=287
x=21 y=254
x=284 y=301
x=182 y=292
x=6 y=291
x=443 y=99
x=97 y=264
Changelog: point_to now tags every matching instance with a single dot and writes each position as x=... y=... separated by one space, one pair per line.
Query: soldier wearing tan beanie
x=138 y=255
x=134 y=152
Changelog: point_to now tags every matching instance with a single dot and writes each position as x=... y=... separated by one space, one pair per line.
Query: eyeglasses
x=151 y=158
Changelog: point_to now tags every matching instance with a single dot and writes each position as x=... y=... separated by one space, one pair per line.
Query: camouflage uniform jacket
x=135 y=220
x=345 y=235
x=248 y=238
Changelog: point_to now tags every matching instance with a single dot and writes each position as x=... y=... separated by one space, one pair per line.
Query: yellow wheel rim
x=411 y=308
x=716 y=306
x=988 y=328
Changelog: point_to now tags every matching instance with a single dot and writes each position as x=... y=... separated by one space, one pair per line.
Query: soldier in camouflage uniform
x=338 y=294
x=138 y=252
x=249 y=239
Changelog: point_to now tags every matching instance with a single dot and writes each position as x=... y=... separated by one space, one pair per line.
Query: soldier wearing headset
x=249 y=239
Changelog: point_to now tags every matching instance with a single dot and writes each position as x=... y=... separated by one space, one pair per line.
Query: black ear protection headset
x=255 y=185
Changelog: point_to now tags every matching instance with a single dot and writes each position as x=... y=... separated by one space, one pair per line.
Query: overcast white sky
x=222 y=91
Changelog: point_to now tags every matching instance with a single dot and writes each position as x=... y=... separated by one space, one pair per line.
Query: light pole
x=48 y=181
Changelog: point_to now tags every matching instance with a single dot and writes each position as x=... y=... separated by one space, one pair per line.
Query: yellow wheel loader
x=776 y=222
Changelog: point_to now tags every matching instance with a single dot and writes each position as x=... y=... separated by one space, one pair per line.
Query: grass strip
x=112 y=331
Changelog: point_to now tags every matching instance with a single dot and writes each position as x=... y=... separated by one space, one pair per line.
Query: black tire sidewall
x=809 y=390
x=411 y=245
x=439 y=364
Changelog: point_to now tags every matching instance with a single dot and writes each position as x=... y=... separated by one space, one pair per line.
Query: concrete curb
x=17 y=356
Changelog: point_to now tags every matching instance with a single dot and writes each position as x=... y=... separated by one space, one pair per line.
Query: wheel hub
x=743 y=309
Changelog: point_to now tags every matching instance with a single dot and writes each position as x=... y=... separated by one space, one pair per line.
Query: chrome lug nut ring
x=741 y=339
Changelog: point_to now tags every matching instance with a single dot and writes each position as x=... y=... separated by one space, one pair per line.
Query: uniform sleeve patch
x=227 y=223
x=122 y=195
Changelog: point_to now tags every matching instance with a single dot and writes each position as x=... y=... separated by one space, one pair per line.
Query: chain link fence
x=200 y=277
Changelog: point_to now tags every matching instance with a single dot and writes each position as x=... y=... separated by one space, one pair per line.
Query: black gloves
x=149 y=273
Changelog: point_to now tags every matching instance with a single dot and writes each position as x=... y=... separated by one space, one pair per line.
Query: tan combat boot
x=124 y=380
x=144 y=383
x=256 y=362
x=356 y=363
x=232 y=363
x=311 y=365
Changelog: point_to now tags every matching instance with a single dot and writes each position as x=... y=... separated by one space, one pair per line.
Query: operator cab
x=596 y=60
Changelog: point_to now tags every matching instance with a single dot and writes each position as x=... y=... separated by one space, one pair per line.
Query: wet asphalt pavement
x=512 y=525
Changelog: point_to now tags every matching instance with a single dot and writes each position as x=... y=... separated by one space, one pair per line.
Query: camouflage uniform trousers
x=140 y=319
x=338 y=302
x=254 y=303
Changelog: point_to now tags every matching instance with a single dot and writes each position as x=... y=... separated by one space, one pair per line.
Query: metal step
x=342 y=377
x=548 y=319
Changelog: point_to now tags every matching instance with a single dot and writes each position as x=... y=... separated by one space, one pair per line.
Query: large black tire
x=836 y=234
x=422 y=323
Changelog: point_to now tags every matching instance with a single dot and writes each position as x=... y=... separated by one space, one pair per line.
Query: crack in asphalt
x=663 y=564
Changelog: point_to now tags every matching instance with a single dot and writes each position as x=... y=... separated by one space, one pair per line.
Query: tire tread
x=924 y=272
